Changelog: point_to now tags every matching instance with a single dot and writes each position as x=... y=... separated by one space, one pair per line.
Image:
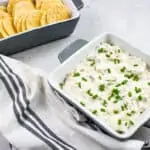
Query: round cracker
x=17 y=16
x=15 y=20
x=38 y=4
x=33 y=19
x=18 y=24
x=12 y=3
x=41 y=4
x=2 y=31
x=8 y=26
x=1 y=36
x=21 y=7
x=58 y=12
x=4 y=14
x=9 y=6
x=3 y=8
x=47 y=4
x=23 y=23
x=44 y=19
x=50 y=17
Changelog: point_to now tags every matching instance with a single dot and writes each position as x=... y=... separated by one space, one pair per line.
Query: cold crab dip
x=112 y=84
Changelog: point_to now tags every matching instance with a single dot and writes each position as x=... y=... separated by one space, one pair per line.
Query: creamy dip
x=112 y=84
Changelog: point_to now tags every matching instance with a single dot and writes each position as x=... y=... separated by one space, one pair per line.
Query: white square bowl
x=59 y=74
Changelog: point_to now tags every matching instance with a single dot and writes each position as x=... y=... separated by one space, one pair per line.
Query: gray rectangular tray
x=42 y=35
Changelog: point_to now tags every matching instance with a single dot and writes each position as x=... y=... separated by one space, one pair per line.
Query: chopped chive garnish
x=82 y=103
x=89 y=92
x=119 y=84
x=102 y=87
x=103 y=110
x=84 y=79
x=116 y=61
x=115 y=101
x=135 y=77
x=124 y=82
x=107 y=55
x=132 y=76
x=101 y=50
x=131 y=122
x=133 y=112
x=129 y=94
x=109 y=98
x=79 y=84
x=140 y=97
x=129 y=76
x=125 y=106
x=135 y=65
x=137 y=90
x=148 y=83
x=104 y=103
x=119 y=122
x=118 y=97
x=118 y=50
x=93 y=63
x=141 y=112
x=94 y=111
x=95 y=96
x=115 y=111
x=115 y=91
x=90 y=59
x=123 y=69
x=111 y=80
x=99 y=77
x=120 y=131
x=122 y=108
x=76 y=74
x=61 y=85
x=129 y=114
x=126 y=123
x=109 y=71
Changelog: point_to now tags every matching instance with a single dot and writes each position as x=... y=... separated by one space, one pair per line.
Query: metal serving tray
x=44 y=34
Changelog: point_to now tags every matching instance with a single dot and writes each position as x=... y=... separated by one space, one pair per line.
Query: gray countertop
x=127 y=18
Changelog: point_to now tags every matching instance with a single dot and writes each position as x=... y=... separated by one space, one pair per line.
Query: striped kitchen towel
x=21 y=94
x=33 y=118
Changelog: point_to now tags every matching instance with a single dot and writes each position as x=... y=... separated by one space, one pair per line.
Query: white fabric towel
x=32 y=117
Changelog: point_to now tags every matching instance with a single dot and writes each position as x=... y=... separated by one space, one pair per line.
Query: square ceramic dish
x=59 y=74
x=43 y=34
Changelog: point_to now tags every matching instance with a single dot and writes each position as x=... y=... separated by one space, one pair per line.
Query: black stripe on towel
x=19 y=117
x=13 y=76
x=50 y=132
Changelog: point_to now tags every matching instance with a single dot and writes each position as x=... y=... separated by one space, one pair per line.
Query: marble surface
x=127 y=18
